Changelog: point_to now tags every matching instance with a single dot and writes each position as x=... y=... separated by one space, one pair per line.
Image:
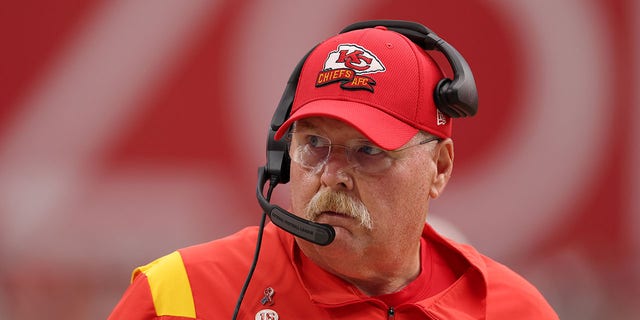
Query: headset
x=456 y=98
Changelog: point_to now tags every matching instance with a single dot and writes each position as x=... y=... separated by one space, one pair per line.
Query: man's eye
x=369 y=150
x=316 y=141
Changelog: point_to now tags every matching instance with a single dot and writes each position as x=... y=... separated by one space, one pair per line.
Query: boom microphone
x=318 y=233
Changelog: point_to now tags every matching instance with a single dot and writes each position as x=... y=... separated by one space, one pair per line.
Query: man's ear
x=443 y=158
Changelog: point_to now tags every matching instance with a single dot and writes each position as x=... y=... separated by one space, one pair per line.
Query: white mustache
x=327 y=200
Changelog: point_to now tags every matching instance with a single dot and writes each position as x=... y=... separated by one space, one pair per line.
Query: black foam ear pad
x=278 y=161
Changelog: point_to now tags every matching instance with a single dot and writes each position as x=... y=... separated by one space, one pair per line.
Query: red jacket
x=203 y=282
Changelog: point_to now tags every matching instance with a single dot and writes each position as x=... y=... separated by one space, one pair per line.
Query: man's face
x=396 y=198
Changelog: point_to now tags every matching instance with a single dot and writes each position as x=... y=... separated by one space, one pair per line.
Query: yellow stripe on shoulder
x=170 y=287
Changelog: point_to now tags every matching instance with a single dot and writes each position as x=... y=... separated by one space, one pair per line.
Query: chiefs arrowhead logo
x=346 y=65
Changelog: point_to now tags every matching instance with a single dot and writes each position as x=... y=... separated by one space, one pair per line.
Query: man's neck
x=379 y=276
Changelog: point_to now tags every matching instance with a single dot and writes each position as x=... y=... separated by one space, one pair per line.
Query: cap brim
x=379 y=127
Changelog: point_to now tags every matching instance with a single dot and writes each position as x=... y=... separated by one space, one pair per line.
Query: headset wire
x=272 y=184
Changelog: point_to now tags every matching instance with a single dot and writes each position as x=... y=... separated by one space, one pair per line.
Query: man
x=370 y=147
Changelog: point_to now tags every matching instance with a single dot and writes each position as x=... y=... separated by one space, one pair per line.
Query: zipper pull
x=391 y=313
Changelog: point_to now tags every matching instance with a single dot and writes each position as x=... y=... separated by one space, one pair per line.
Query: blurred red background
x=129 y=129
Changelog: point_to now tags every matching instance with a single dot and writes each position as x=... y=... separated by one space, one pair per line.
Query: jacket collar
x=466 y=298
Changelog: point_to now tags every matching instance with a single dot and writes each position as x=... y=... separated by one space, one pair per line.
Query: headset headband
x=456 y=98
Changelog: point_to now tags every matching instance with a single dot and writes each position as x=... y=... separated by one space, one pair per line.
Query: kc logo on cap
x=347 y=65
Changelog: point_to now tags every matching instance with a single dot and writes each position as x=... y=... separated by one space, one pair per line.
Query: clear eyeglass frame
x=312 y=151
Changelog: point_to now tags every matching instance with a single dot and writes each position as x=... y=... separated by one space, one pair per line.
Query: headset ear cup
x=455 y=101
x=440 y=97
x=278 y=161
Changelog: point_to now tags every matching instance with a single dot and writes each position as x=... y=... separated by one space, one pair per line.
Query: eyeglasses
x=312 y=153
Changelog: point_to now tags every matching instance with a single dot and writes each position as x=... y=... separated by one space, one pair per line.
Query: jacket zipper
x=391 y=313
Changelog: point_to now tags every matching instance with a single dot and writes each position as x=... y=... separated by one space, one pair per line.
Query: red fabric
x=136 y=303
x=483 y=288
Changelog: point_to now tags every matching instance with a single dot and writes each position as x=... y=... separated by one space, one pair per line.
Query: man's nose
x=337 y=171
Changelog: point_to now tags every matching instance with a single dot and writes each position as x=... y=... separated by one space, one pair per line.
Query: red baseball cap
x=375 y=80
